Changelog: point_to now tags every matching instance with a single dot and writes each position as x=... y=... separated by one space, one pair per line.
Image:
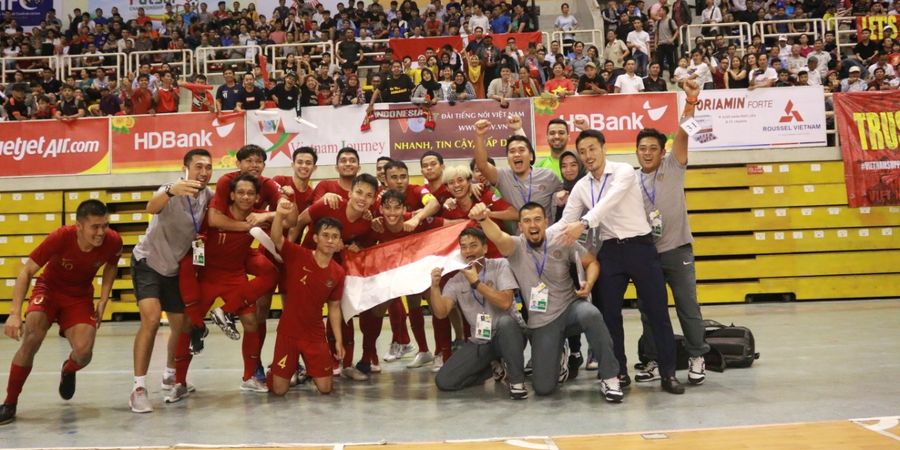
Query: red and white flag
x=401 y=267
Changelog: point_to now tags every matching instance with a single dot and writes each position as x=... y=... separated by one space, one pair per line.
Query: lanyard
x=522 y=188
x=481 y=277
x=652 y=194
x=602 y=187
x=193 y=219
x=539 y=268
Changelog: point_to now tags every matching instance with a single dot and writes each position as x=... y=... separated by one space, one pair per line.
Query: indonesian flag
x=401 y=267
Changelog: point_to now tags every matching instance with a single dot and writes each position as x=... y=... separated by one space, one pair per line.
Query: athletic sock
x=70 y=366
x=417 y=323
x=261 y=335
x=183 y=358
x=17 y=377
x=250 y=352
x=370 y=325
x=169 y=372
x=442 y=331
x=140 y=382
x=397 y=317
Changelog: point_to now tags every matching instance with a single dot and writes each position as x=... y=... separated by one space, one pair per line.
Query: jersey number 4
x=282 y=362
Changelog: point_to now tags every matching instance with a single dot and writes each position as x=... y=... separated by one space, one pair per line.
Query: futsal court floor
x=828 y=378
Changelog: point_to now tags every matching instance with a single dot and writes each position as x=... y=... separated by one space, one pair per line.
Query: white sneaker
x=407 y=349
x=438 y=363
x=563 y=364
x=140 y=401
x=336 y=372
x=225 y=323
x=421 y=359
x=592 y=363
x=168 y=383
x=375 y=368
x=650 y=373
x=394 y=353
x=696 y=370
x=254 y=385
x=354 y=374
x=611 y=390
x=177 y=393
x=263 y=238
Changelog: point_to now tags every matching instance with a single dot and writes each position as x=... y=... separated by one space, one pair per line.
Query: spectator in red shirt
x=167 y=97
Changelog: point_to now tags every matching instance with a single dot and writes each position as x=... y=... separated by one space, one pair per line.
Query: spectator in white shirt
x=711 y=15
x=812 y=69
x=883 y=63
x=699 y=71
x=822 y=58
x=853 y=82
x=795 y=61
x=764 y=76
x=478 y=19
x=628 y=82
x=566 y=22
x=638 y=42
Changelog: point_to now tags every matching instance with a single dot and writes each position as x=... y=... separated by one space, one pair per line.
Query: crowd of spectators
x=642 y=44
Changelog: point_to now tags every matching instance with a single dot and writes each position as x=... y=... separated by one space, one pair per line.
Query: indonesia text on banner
x=159 y=142
x=51 y=147
x=620 y=117
x=762 y=118
x=402 y=267
x=325 y=128
x=454 y=132
x=869 y=128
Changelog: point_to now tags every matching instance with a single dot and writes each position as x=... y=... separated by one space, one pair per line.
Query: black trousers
x=636 y=260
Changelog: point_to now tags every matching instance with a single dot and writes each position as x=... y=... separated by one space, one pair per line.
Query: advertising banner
x=732 y=119
x=27 y=13
x=52 y=147
x=155 y=9
x=158 y=143
x=454 y=131
x=415 y=47
x=620 y=117
x=869 y=127
x=325 y=128
x=876 y=26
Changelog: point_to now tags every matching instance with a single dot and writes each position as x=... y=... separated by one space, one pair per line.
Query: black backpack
x=730 y=346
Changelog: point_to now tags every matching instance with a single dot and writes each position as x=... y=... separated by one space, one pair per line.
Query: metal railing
x=214 y=60
x=844 y=33
x=768 y=29
x=690 y=32
x=370 y=55
x=73 y=64
x=11 y=65
x=594 y=36
x=183 y=58
x=277 y=54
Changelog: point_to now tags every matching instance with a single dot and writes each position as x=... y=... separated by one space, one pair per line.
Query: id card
x=690 y=126
x=199 y=252
x=483 y=327
x=540 y=296
x=656 y=223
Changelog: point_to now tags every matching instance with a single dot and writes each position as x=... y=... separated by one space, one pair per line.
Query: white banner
x=325 y=128
x=732 y=119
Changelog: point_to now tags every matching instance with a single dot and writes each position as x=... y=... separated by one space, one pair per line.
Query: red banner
x=876 y=26
x=454 y=131
x=415 y=47
x=158 y=142
x=869 y=127
x=52 y=147
x=620 y=117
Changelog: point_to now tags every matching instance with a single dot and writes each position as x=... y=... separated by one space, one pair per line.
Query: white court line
x=884 y=424
x=547 y=445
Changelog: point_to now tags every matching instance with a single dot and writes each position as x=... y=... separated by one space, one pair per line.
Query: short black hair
x=530 y=206
x=350 y=150
x=391 y=194
x=437 y=155
x=651 y=133
x=366 y=178
x=591 y=134
x=383 y=158
x=305 y=150
x=251 y=150
x=489 y=160
x=558 y=121
x=327 y=222
x=395 y=164
x=518 y=138
x=475 y=233
x=244 y=177
x=90 y=208
x=189 y=156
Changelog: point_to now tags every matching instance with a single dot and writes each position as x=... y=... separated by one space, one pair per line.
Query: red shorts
x=230 y=287
x=63 y=309
x=316 y=356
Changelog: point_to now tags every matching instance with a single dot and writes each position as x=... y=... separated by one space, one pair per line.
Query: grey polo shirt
x=171 y=231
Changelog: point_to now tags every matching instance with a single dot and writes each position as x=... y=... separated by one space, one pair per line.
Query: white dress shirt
x=612 y=204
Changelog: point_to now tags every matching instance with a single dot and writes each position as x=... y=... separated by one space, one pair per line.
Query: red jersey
x=493 y=202
x=350 y=231
x=199 y=94
x=415 y=198
x=141 y=101
x=67 y=268
x=302 y=199
x=429 y=223
x=167 y=100
x=308 y=288
x=269 y=193
x=333 y=186
x=226 y=251
x=441 y=194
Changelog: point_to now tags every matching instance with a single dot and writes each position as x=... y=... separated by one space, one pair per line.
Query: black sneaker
x=66 y=384
x=671 y=385
x=529 y=369
x=364 y=367
x=7 y=413
x=197 y=336
x=575 y=362
x=624 y=380
x=518 y=391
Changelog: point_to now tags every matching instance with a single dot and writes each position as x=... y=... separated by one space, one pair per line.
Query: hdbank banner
x=52 y=147
x=159 y=142
x=454 y=132
x=327 y=129
x=869 y=127
x=619 y=116
x=732 y=119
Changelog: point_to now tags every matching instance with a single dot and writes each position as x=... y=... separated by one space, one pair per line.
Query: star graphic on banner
x=279 y=139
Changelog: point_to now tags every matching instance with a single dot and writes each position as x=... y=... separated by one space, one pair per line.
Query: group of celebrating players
x=549 y=250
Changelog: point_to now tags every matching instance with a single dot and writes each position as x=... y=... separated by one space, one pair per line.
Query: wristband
x=474 y=285
x=691 y=100
x=169 y=191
